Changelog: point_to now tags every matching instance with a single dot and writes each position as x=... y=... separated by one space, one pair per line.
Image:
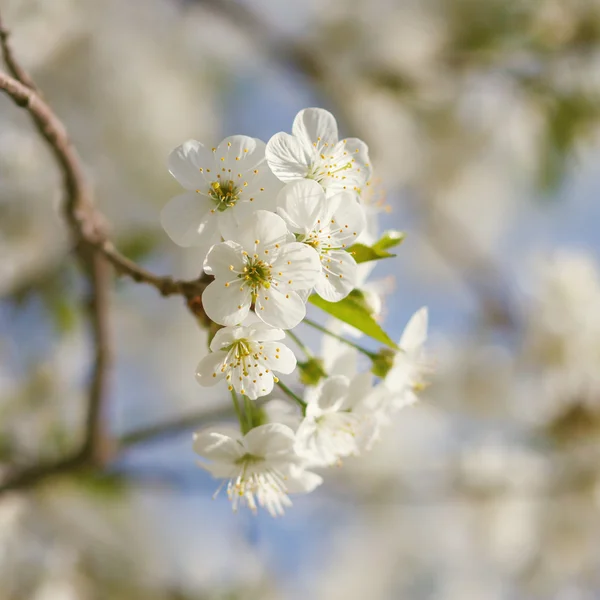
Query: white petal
x=415 y=332
x=226 y=305
x=359 y=390
x=217 y=446
x=299 y=264
x=263 y=227
x=231 y=219
x=338 y=277
x=188 y=221
x=333 y=392
x=260 y=331
x=269 y=440
x=222 y=257
x=315 y=125
x=287 y=157
x=186 y=161
x=349 y=217
x=209 y=372
x=361 y=170
x=282 y=309
x=239 y=153
x=399 y=376
x=301 y=204
x=262 y=189
x=225 y=337
x=281 y=358
x=254 y=385
x=302 y=482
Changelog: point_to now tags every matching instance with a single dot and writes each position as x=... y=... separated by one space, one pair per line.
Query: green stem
x=326 y=331
x=238 y=411
x=249 y=410
x=293 y=396
x=300 y=344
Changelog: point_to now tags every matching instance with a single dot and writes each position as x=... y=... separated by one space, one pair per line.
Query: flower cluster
x=286 y=223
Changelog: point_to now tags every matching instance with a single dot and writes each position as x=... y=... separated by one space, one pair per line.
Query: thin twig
x=94 y=252
x=164 y=429
x=97 y=441
x=85 y=220
x=9 y=58
x=77 y=205
x=25 y=477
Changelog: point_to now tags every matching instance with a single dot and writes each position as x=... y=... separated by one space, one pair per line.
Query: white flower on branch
x=339 y=420
x=224 y=186
x=260 y=468
x=314 y=152
x=246 y=357
x=329 y=225
x=411 y=365
x=261 y=266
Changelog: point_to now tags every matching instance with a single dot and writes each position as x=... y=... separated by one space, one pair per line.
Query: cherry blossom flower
x=313 y=151
x=224 y=185
x=329 y=225
x=338 y=420
x=260 y=468
x=246 y=357
x=263 y=267
x=411 y=365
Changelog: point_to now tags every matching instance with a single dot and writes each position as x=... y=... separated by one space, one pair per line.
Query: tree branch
x=13 y=66
x=86 y=222
x=95 y=252
x=26 y=477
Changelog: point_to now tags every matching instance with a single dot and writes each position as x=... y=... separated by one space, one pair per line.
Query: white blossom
x=562 y=336
x=224 y=185
x=373 y=403
x=246 y=357
x=329 y=225
x=339 y=420
x=411 y=365
x=260 y=468
x=314 y=152
x=263 y=266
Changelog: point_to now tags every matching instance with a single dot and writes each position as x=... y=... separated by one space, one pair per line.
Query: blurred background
x=482 y=119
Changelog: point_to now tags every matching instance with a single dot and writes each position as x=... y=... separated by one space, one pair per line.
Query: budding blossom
x=259 y=468
x=263 y=267
x=330 y=225
x=314 y=152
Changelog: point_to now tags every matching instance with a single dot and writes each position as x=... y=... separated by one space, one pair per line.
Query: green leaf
x=351 y=311
x=363 y=253
x=359 y=297
x=390 y=239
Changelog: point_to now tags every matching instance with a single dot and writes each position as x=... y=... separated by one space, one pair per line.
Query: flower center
x=249 y=459
x=224 y=194
x=310 y=240
x=321 y=170
x=257 y=273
